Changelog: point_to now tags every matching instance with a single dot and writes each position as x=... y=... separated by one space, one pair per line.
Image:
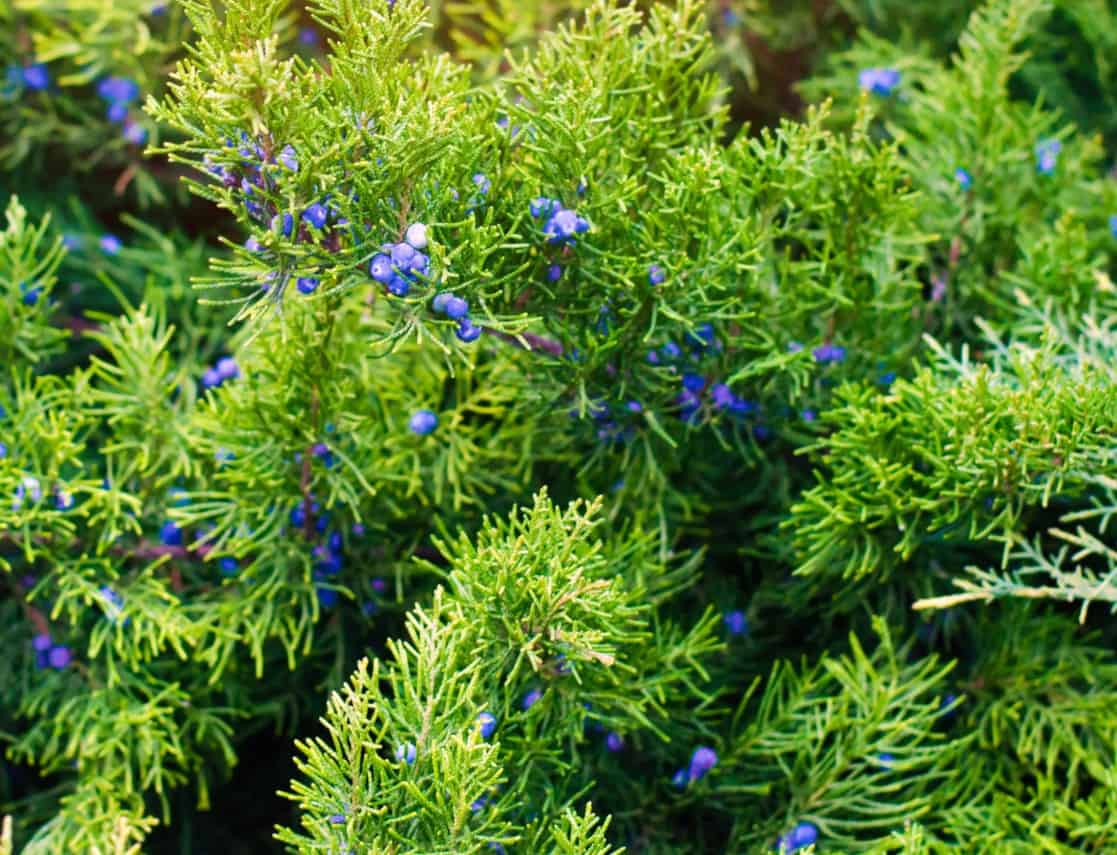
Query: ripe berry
x=36 y=77
x=656 y=276
x=804 y=834
x=289 y=158
x=487 y=723
x=879 y=81
x=227 y=368
x=380 y=268
x=456 y=308
x=735 y=622
x=531 y=698
x=59 y=657
x=170 y=534
x=306 y=284
x=701 y=761
x=118 y=89
x=467 y=331
x=416 y=235
x=316 y=215
x=406 y=753
x=423 y=422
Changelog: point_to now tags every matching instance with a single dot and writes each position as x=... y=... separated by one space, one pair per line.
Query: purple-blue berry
x=804 y=834
x=1047 y=156
x=614 y=742
x=486 y=723
x=36 y=77
x=879 y=81
x=467 y=331
x=289 y=158
x=227 y=368
x=110 y=244
x=59 y=657
x=423 y=422
x=416 y=235
x=456 y=308
x=380 y=268
x=228 y=566
x=531 y=699
x=306 y=284
x=406 y=753
x=964 y=179
x=656 y=275
x=31 y=293
x=829 y=353
x=316 y=215
x=701 y=761
x=735 y=622
x=118 y=90
x=170 y=534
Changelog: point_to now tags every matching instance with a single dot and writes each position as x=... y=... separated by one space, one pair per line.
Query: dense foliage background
x=558 y=427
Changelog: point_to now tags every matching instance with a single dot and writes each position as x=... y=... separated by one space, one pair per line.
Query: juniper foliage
x=464 y=403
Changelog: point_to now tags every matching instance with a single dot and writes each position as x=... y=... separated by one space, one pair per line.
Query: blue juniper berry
x=803 y=835
x=423 y=422
x=406 y=753
x=827 y=353
x=36 y=77
x=735 y=622
x=316 y=215
x=486 y=722
x=879 y=81
x=701 y=761
x=1047 y=156
x=289 y=158
x=964 y=179
x=170 y=534
x=467 y=331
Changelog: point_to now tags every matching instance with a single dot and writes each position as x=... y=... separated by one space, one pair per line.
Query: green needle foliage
x=558 y=427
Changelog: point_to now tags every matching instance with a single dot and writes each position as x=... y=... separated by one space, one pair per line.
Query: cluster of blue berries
x=701 y=762
x=329 y=554
x=119 y=93
x=224 y=369
x=457 y=309
x=879 y=81
x=34 y=77
x=561 y=224
x=50 y=655
x=401 y=264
